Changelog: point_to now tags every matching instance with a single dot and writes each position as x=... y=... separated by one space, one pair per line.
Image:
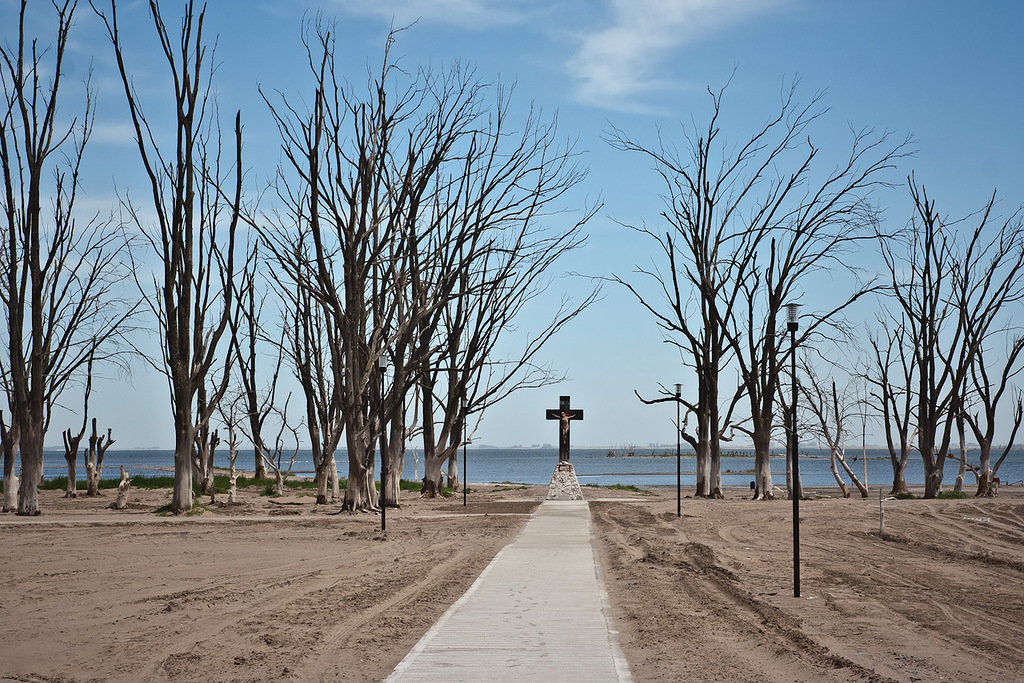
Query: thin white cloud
x=616 y=65
x=467 y=13
x=114 y=133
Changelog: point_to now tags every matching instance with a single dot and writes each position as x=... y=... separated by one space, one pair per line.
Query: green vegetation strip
x=221 y=483
x=619 y=487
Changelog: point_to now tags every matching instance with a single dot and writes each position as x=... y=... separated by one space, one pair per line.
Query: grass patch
x=149 y=481
x=619 y=487
x=221 y=484
x=197 y=509
x=905 y=496
x=954 y=495
x=61 y=484
x=140 y=481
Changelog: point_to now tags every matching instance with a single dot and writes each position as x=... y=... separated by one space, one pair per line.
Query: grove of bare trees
x=411 y=236
x=955 y=285
x=413 y=219
x=751 y=227
x=411 y=222
x=747 y=226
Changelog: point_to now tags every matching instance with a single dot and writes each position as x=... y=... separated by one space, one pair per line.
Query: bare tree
x=273 y=455
x=72 y=440
x=204 y=448
x=891 y=374
x=245 y=334
x=196 y=209
x=61 y=274
x=695 y=294
x=831 y=411
x=306 y=340
x=232 y=415
x=996 y=276
x=822 y=225
x=921 y=275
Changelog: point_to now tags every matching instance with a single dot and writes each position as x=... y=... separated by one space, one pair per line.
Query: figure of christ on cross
x=564 y=414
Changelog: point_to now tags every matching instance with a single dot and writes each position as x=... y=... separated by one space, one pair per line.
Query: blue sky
x=948 y=73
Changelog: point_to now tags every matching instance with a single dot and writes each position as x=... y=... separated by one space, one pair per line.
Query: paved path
x=538 y=612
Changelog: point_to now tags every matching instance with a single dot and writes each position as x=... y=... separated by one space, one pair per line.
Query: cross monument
x=564 y=414
x=564 y=485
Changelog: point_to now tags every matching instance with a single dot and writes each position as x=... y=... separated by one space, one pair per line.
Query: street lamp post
x=679 y=479
x=792 y=325
x=382 y=366
x=465 y=481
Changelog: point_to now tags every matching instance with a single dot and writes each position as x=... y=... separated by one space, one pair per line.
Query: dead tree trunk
x=840 y=456
x=121 y=503
x=961 y=431
x=762 y=466
x=71 y=443
x=94 y=460
x=9 y=443
x=232 y=472
x=71 y=440
x=433 y=453
x=834 y=466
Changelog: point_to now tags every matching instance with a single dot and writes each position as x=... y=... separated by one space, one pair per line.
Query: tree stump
x=121 y=503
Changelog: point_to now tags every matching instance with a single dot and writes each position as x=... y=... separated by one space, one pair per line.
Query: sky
x=949 y=74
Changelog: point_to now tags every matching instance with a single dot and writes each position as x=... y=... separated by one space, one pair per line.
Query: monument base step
x=564 y=484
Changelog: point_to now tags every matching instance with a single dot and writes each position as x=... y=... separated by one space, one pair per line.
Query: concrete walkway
x=538 y=612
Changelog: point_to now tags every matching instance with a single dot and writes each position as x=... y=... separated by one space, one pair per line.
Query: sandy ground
x=285 y=590
x=709 y=596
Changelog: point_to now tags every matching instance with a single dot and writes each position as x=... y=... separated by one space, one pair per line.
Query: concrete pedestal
x=564 y=485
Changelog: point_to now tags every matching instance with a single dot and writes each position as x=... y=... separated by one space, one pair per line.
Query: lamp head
x=382 y=362
x=792 y=311
x=679 y=390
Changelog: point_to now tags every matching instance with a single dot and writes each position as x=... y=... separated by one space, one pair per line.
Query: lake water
x=593 y=466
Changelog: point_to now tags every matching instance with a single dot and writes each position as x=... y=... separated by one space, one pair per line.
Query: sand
x=284 y=590
x=939 y=596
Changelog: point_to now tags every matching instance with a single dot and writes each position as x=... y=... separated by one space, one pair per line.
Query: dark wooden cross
x=563 y=414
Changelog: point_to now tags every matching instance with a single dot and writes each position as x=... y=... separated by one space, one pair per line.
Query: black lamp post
x=465 y=482
x=382 y=366
x=679 y=479
x=792 y=325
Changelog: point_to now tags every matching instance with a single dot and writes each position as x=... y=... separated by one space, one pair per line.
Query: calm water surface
x=593 y=466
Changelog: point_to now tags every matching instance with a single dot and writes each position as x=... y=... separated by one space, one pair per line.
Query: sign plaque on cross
x=564 y=414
